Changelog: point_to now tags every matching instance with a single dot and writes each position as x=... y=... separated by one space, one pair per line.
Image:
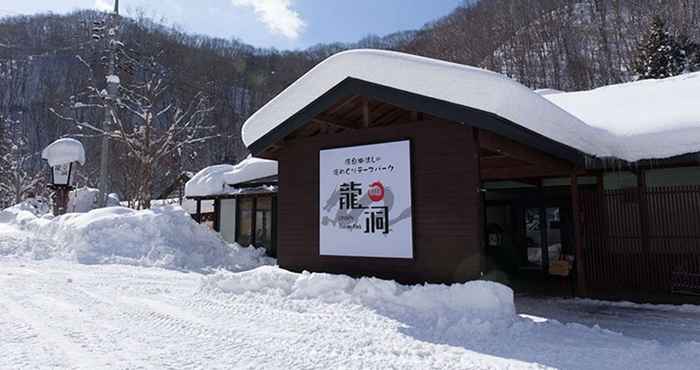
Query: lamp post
x=62 y=154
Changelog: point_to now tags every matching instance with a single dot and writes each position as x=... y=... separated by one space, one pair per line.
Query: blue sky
x=284 y=24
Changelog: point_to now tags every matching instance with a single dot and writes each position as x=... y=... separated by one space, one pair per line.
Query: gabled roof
x=450 y=88
x=556 y=123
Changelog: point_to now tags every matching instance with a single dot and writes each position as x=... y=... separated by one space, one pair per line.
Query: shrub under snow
x=164 y=237
x=435 y=310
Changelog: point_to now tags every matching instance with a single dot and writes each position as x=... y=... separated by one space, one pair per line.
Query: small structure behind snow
x=216 y=179
x=64 y=151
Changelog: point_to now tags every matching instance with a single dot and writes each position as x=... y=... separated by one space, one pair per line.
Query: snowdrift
x=436 y=311
x=163 y=237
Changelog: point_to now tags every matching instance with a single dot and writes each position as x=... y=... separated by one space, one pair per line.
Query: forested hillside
x=48 y=60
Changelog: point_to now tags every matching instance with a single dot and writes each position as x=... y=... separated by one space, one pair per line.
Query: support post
x=60 y=199
x=481 y=211
x=544 y=243
x=366 y=119
x=198 y=213
x=644 y=225
x=217 y=215
x=578 y=237
x=112 y=92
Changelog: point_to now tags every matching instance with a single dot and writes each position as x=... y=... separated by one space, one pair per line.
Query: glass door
x=263 y=223
x=533 y=239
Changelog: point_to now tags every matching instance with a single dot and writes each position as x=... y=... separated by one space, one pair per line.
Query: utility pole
x=112 y=93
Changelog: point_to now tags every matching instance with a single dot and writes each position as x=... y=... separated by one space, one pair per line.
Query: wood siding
x=446 y=204
x=635 y=241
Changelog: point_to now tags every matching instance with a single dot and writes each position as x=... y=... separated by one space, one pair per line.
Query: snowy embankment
x=442 y=312
x=163 y=237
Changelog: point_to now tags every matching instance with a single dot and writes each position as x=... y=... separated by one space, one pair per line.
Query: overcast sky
x=284 y=24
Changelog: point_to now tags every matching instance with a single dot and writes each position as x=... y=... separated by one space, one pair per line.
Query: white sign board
x=365 y=201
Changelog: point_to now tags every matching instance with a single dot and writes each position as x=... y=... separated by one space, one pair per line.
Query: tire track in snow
x=172 y=331
x=75 y=354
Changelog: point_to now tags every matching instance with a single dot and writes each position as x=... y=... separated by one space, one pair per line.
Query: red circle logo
x=376 y=191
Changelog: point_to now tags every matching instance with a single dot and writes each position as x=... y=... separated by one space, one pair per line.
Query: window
x=255 y=223
x=263 y=222
x=245 y=222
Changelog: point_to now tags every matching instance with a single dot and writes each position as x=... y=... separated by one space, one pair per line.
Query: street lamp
x=61 y=155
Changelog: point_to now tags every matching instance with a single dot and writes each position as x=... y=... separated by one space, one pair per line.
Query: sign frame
x=411 y=173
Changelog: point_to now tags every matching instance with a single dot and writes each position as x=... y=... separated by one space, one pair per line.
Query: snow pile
x=112 y=79
x=642 y=114
x=37 y=206
x=163 y=237
x=63 y=151
x=216 y=179
x=441 y=311
x=84 y=199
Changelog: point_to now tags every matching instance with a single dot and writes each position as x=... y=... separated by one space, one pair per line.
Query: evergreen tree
x=691 y=51
x=659 y=54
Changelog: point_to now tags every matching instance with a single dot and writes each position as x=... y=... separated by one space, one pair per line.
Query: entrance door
x=548 y=237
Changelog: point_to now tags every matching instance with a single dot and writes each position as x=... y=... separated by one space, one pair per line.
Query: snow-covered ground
x=56 y=312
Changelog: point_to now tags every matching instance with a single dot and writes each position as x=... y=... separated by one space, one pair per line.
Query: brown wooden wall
x=446 y=204
x=640 y=241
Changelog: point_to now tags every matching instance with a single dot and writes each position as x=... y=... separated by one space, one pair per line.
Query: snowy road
x=66 y=315
x=61 y=314
x=56 y=314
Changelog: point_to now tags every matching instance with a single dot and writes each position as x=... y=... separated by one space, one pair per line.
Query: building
x=418 y=170
x=244 y=199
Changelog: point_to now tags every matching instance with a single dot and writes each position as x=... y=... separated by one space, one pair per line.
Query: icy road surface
x=60 y=314
x=63 y=315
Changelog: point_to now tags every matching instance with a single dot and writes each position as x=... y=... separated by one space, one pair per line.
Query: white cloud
x=277 y=15
x=104 y=5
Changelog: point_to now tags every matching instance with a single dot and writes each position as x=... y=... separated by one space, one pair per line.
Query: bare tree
x=148 y=121
x=19 y=175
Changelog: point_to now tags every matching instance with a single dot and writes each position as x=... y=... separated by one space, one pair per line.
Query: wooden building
x=497 y=178
x=244 y=199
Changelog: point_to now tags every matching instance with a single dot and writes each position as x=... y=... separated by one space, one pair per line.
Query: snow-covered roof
x=214 y=180
x=596 y=123
x=648 y=119
x=455 y=83
x=64 y=151
x=188 y=205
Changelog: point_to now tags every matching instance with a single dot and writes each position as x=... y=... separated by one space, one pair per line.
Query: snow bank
x=214 y=180
x=84 y=199
x=442 y=311
x=36 y=206
x=64 y=151
x=164 y=237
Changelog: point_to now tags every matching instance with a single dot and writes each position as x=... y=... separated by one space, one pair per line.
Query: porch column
x=217 y=215
x=544 y=243
x=198 y=212
x=578 y=237
x=644 y=227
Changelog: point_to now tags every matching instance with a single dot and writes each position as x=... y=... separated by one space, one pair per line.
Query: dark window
x=245 y=222
x=263 y=222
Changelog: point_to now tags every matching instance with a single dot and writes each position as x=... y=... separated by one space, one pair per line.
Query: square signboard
x=365 y=201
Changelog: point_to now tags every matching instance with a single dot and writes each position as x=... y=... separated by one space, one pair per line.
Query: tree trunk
x=146 y=186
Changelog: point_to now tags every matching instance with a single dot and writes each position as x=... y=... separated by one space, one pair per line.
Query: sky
x=283 y=24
